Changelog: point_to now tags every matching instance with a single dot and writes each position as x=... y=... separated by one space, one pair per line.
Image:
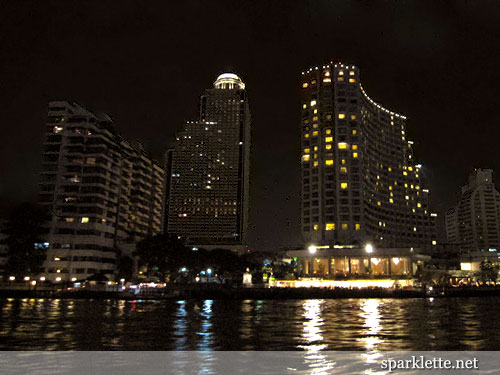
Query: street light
x=312 y=249
x=12 y=278
x=369 y=248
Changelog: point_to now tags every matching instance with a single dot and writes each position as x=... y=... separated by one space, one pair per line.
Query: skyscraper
x=360 y=181
x=209 y=167
x=474 y=224
x=104 y=193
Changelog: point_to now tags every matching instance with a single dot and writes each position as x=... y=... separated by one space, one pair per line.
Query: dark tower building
x=210 y=168
x=360 y=181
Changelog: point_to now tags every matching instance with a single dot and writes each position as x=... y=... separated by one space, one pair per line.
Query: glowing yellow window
x=316 y=227
x=357 y=226
x=391 y=200
x=330 y=226
x=343 y=169
x=341 y=115
x=327 y=79
x=343 y=161
x=315 y=156
x=390 y=187
x=307 y=150
x=328 y=147
x=406 y=185
x=340 y=79
x=304 y=106
x=313 y=103
x=353 y=117
x=345 y=226
x=419 y=205
x=389 y=169
x=315 y=111
x=405 y=173
x=315 y=148
x=329 y=162
x=343 y=185
x=342 y=145
x=306 y=135
x=329 y=139
x=85 y=219
x=354 y=147
x=315 y=163
x=410 y=168
x=352 y=80
x=305 y=85
x=354 y=154
x=328 y=117
x=327 y=73
x=378 y=203
x=315 y=118
x=351 y=73
x=341 y=72
x=328 y=131
x=407 y=197
x=313 y=82
x=306 y=158
x=315 y=126
x=354 y=131
x=315 y=133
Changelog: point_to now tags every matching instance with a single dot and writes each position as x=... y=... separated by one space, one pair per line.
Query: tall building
x=360 y=181
x=209 y=163
x=104 y=193
x=474 y=224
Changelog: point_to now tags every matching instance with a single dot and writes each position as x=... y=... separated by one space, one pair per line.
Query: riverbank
x=216 y=292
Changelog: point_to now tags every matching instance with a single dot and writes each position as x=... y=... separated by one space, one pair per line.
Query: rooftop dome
x=229 y=81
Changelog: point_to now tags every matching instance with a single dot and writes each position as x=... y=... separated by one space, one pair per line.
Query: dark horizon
x=436 y=63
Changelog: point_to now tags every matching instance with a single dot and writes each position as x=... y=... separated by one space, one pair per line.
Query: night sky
x=146 y=63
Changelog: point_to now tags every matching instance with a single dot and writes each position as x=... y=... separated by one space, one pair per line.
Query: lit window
x=345 y=226
x=354 y=154
x=404 y=173
x=354 y=147
x=351 y=73
x=419 y=205
x=315 y=148
x=330 y=226
x=342 y=145
x=341 y=115
x=69 y=219
x=390 y=187
x=329 y=162
x=343 y=169
x=378 y=203
x=327 y=79
x=315 y=156
x=357 y=226
x=391 y=200
x=434 y=242
x=343 y=185
x=316 y=227
x=315 y=118
x=354 y=131
x=328 y=139
x=315 y=111
x=389 y=169
x=343 y=161
x=313 y=82
x=57 y=129
x=341 y=72
x=407 y=197
x=352 y=80
x=306 y=157
x=315 y=163
x=328 y=117
x=304 y=106
x=315 y=126
x=307 y=150
x=327 y=73
x=328 y=147
x=353 y=117
x=414 y=229
x=306 y=135
x=328 y=131
x=315 y=133
x=313 y=103
x=85 y=219
x=340 y=79
x=305 y=85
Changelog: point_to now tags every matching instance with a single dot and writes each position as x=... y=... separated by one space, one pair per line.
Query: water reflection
x=371 y=325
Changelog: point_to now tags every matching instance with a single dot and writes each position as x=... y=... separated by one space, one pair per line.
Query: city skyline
x=426 y=60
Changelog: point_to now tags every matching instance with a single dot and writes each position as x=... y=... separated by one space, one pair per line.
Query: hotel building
x=474 y=224
x=209 y=164
x=360 y=181
x=104 y=193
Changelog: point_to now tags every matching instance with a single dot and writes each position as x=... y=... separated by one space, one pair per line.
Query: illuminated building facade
x=360 y=182
x=210 y=169
x=104 y=193
x=474 y=224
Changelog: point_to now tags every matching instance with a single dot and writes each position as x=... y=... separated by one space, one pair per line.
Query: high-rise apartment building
x=104 y=193
x=360 y=181
x=209 y=164
x=474 y=224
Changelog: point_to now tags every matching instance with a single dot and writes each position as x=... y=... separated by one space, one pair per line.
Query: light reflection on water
x=370 y=325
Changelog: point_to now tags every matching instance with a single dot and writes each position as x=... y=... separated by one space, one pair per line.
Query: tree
x=25 y=250
x=489 y=272
x=160 y=253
